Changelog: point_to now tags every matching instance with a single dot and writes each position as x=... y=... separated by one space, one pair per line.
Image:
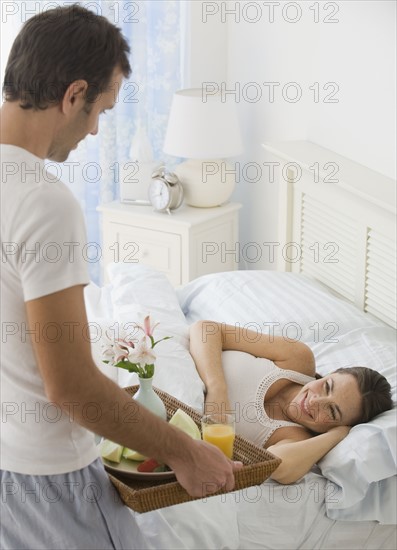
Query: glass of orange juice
x=219 y=430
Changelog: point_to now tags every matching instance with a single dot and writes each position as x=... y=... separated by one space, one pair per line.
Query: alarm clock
x=165 y=191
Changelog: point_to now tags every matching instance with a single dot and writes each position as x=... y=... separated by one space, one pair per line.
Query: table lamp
x=204 y=129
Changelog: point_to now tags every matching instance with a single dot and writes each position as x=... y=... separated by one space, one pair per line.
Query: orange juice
x=220 y=435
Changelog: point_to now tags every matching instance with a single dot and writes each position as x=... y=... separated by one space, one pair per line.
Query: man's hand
x=204 y=470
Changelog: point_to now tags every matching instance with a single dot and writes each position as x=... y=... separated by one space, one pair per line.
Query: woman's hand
x=216 y=402
x=341 y=431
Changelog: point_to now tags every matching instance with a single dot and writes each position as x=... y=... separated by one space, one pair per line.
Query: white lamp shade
x=202 y=127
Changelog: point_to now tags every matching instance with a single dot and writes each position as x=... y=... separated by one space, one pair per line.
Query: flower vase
x=147 y=397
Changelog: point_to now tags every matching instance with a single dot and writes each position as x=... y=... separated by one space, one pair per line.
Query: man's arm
x=72 y=381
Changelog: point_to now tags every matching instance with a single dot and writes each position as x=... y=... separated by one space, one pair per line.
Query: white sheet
x=270 y=516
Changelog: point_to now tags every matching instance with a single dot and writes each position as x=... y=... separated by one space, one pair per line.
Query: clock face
x=159 y=194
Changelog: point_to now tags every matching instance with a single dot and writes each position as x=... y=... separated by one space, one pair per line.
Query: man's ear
x=75 y=96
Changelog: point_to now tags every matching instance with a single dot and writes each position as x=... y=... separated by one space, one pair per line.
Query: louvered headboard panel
x=341 y=217
x=380 y=281
x=329 y=246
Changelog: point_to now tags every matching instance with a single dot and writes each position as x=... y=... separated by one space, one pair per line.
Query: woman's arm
x=209 y=339
x=206 y=351
x=299 y=456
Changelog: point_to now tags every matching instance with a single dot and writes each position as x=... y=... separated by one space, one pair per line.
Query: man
x=64 y=70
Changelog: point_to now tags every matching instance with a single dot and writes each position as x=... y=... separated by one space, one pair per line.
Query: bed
x=345 y=311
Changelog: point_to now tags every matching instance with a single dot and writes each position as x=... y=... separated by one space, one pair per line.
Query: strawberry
x=149 y=465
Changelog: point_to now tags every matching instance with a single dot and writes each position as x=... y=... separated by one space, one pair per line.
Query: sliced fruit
x=111 y=451
x=133 y=455
x=183 y=421
x=149 y=465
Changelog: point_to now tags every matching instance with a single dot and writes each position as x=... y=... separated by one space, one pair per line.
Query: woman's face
x=320 y=405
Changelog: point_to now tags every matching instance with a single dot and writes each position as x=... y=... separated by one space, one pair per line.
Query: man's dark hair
x=58 y=47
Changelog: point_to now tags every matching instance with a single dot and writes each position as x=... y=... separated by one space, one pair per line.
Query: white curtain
x=154 y=30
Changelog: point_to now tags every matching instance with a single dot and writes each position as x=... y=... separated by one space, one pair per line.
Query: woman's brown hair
x=58 y=47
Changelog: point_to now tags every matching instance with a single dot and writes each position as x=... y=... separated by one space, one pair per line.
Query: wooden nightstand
x=184 y=245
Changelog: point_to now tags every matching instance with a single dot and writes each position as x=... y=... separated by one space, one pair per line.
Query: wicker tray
x=144 y=496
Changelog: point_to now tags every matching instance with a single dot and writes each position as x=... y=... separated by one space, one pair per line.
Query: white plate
x=129 y=468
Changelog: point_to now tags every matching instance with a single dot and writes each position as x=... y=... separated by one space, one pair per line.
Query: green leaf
x=131 y=367
x=140 y=371
x=149 y=371
x=158 y=341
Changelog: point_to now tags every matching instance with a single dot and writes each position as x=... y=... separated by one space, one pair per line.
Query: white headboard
x=337 y=223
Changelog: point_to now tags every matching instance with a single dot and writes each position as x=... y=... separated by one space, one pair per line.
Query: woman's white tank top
x=248 y=378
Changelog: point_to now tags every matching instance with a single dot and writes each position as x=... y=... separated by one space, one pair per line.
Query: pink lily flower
x=122 y=349
x=142 y=353
x=128 y=351
x=147 y=327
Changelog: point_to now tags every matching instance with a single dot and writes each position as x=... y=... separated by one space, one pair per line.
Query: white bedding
x=316 y=512
x=270 y=516
x=295 y=306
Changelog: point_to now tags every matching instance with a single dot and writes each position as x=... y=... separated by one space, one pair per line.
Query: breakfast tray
x=144 y=496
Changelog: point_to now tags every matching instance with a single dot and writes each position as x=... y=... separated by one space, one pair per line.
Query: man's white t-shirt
x=43 y=240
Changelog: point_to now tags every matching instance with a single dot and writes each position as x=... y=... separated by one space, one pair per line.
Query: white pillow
x=253 y=298
x=292 y=305
x=363 y=465
x=137 y=290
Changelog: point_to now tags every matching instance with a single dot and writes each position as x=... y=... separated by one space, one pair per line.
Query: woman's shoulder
x=302 y=360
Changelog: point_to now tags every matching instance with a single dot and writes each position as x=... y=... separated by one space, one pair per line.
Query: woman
x=277 y=398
